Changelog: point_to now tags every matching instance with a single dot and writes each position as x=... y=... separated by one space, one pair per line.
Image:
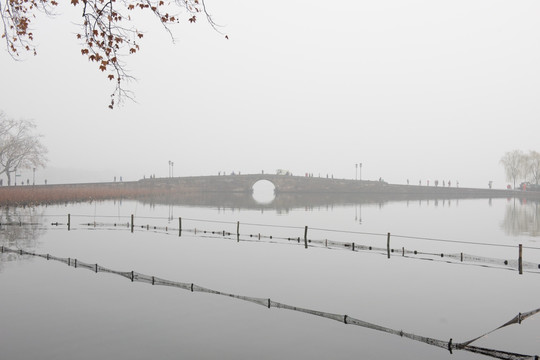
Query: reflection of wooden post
x=305 y=237
x=520 y=259
x=388 y=245
x=179 y=226
x=131 y=222
x=69 y=222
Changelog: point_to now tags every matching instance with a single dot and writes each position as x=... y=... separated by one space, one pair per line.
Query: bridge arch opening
x=264 y=192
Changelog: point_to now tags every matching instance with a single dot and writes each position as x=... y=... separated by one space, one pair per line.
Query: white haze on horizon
x=410 y=89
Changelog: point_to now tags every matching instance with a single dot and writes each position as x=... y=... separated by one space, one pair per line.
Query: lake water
x=52 y=311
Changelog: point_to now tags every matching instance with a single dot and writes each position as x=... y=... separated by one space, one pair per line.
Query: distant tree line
x=20 y=147
x=520 y=165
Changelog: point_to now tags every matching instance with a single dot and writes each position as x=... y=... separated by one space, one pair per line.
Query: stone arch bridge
x=243 y=184
x=282 y=184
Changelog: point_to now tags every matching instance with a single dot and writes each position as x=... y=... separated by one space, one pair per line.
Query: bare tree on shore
x=513 y=165
x=20 y=147
x=532 y=166
x=520 y=165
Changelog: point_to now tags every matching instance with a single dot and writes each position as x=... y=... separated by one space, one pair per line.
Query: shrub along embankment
x=187 y=188
x=48 y=194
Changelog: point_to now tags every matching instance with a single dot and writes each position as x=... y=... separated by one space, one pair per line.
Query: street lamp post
x=172 y=169
x=360 y=171
x=356 y=173
x=169 y=168
x=17 y=175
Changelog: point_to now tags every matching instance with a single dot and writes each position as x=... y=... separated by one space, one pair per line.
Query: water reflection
x=19 y=228
x=277 y=280
x=269 y=303
x=285 y=202
x=522 y=218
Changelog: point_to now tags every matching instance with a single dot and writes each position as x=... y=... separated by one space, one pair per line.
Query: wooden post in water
x=69 y=222
x=305 y=237
x=388 y=245
x=179 y=226
x=131 y=222
x=238 y=231
x=520 y=260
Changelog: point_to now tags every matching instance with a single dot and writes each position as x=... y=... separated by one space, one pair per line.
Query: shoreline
x=33 y=195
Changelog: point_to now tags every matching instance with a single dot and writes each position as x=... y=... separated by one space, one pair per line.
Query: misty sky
x=411 y=89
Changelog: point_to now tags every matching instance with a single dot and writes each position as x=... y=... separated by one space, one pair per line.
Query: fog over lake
x=101 y=314
x=398 y=95
x=412 y=90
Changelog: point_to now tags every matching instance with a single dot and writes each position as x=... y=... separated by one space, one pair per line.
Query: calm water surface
x=51 y=311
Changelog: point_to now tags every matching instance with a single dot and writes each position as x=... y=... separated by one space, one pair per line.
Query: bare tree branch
x=20 y=147
x=107 y=32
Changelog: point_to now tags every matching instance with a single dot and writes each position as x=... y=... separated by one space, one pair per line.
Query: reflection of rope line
x=334 y=245
x=454 y=258
x=267 y=302
x=301 y=227
x=459 y=258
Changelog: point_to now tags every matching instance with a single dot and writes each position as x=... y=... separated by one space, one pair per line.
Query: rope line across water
x=267 y=302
